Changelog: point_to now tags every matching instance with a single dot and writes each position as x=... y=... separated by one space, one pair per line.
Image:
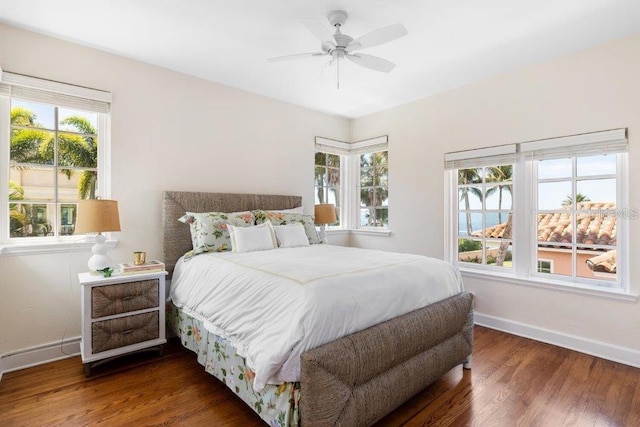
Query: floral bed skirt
x=277 y=404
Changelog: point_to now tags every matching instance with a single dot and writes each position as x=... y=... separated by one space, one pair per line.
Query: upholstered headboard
x=176 y=235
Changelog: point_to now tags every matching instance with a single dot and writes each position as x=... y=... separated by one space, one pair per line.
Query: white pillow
x=291 y=236
x=256 y=238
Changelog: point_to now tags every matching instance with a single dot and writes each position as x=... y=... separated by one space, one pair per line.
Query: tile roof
x=595 y=227
x=606 y=263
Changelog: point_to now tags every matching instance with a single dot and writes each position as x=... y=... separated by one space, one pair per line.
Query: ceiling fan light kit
x=339 y=46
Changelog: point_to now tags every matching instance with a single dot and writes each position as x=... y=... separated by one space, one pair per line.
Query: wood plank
x=514 y=381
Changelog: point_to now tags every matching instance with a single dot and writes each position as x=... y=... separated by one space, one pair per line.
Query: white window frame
x=58 y=94
x=524 y=270
x=350 y=179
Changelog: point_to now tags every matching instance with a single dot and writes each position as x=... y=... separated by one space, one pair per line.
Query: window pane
x=32 y=114
x=320 y=176
x=35 y=183
x=496 y=221
x=31 y=146
x=596 y=165
x=556 y=260
x=31 y=219
x=76 y=150
x=75 y=184
x=333 y=196
x=503 y=173
x=333 y=177
x=333 y=160
x=320 y=196
x=367 y=197
x=470 y=250
x=469 y=176
x=601 y=265
x=554 y=195
x=67 y=217
x=470 y=197
x=367 y=177
x=320 y=159
x=498 y=197
x=382 y=217
x=381 y=158
x=367 y=217
x=382 y=196
x=381 y=177
x=596 y=190
x=499 y=253
x=77 y=121
x=366 y=160
x=469 y=223
x=554 y=168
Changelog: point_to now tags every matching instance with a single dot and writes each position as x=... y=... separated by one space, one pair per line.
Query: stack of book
x=147 y=267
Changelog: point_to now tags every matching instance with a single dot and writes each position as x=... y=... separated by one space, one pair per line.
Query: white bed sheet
x=274 y=305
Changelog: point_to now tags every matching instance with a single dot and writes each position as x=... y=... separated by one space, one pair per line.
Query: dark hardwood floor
x=514 y=381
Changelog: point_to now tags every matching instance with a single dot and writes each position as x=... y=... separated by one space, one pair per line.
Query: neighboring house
x=597 y=226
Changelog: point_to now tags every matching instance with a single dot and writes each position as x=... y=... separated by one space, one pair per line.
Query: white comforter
x=274 y=305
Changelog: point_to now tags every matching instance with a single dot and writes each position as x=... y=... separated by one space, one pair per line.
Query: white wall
x=594 y=90
x=169 y=132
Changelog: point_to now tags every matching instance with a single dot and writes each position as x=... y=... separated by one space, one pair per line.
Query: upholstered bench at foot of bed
x=358 y=379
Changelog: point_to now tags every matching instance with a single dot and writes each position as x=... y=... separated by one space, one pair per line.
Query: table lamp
x=324 y=214
x=98 y=216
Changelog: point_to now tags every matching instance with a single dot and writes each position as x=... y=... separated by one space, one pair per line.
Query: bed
x=352 y=380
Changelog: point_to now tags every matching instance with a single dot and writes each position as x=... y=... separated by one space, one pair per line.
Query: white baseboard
x=38 y=355
x=600 y=349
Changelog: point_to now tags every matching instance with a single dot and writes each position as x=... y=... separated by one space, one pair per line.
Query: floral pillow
x=279 y=218
x=209 y=232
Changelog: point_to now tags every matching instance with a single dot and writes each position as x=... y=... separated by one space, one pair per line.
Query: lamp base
x=100 y=260
x=322 y=235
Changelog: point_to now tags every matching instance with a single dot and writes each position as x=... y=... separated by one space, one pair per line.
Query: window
x=56 y=152
x=576 y=213
x=552 y=210
x=362 y=194
x=327 y=180
x=374 y=189
x=485 y=231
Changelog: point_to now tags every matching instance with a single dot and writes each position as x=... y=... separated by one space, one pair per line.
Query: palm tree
x=500 y=174
x=465 y=177
x=579 y=198
x=77 y=148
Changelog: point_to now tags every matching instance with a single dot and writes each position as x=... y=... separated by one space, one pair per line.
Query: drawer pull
x=127 y=332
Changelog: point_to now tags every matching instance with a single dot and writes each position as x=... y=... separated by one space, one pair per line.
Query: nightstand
x=121 y=314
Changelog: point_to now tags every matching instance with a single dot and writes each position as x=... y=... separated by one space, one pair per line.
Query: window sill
x=372 y=231
x=38 y=248
x=613 y=294
x=365 y=231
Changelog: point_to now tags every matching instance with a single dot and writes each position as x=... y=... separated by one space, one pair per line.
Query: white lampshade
x=98 y=216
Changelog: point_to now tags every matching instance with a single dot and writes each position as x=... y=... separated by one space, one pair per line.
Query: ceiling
x=450 y=42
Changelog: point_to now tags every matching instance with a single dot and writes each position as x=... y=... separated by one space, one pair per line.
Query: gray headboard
x=176 y=235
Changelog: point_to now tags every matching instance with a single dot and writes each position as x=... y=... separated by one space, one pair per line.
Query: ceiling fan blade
x=318 y=30
x=377 y=37
x=372 y=62
x=295 y=56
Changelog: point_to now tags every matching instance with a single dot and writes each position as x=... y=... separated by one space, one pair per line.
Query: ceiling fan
x=340 y=46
